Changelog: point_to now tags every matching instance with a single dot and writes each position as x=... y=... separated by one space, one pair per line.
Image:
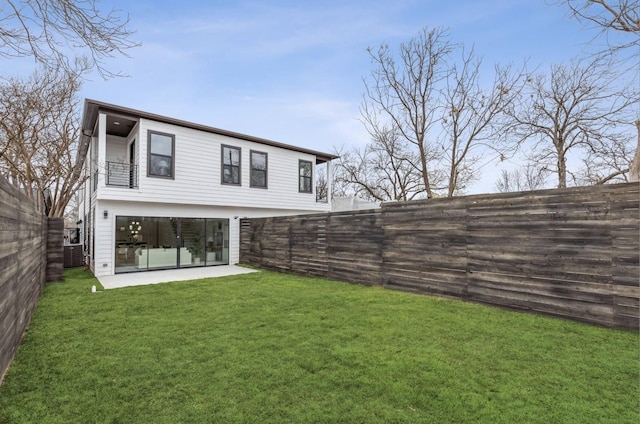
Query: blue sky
x=292 y=71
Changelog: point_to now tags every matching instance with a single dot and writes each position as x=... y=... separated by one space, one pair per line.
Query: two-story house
x=165 y=193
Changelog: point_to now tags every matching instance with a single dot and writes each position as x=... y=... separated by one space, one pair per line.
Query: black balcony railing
x=122 y=175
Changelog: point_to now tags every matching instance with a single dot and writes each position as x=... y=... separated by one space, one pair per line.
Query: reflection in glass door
x=148 y=243
x=217 y=246
x=162 y=243
x=131 y=244
x=193 y=242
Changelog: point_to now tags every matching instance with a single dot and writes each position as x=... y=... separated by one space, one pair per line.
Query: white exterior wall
x=197 y=190
x=105 y=227
x=198 y=174
x=116 y=149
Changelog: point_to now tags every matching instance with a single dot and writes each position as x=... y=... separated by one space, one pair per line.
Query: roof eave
x=93 y=107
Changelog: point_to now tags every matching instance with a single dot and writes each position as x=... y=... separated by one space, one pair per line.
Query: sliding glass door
x=150 y=243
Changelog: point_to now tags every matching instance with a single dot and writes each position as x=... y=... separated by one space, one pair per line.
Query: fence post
x=55 y=249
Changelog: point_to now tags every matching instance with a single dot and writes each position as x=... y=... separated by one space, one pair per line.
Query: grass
x=275 y=348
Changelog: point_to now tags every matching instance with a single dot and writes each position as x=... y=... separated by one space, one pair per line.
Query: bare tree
x=322 y=183
x=52 y=31
x=621 y=17
x=39 y=135
x=421 y=86
x=617 y=15
x=71 y=211
x=405 y=93
x=472 y=116
x=607 y=162
x=528 y=178
x=634 y=172
x=577 y=106
x=385 y=169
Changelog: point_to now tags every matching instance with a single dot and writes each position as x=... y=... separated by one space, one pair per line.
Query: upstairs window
x=161 y=155
x=230 y=165
x=258 y=170
x=304 y=176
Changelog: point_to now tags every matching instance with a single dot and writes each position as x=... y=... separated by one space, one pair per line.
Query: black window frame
x=301 y=177
x=266 y=169
x=172 y=168
x=223 y=166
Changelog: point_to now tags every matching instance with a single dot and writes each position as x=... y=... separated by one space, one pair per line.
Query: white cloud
x=304 y=119
x=291 y=70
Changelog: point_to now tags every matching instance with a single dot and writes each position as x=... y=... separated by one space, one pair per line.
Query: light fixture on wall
x=106 y=214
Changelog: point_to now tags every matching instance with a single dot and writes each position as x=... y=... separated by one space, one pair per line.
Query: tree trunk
x=453 y=179
x=425 y=174
x=562 y=170
x=634 y=172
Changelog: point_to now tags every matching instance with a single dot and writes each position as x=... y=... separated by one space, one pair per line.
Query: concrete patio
x=155 y=277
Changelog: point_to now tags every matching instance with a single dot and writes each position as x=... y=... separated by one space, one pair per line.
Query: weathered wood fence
x=31 y=253
x=572 y=253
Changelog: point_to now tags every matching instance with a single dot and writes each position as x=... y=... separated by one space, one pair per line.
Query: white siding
x=196 y=190
x=105 y=228
x=104 y=231
x=198 y=174
x=116 y=149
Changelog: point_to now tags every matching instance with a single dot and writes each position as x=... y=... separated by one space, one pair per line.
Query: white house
x=165 y=193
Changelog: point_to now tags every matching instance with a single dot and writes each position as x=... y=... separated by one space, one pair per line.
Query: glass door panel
x=192 y=252
x=217 y=246
x=131 y=244
x=162 y=251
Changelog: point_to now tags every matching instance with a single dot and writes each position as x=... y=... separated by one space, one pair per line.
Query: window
x=230 y=165
x=161 y=155
x=258 y=169
x=304 y=176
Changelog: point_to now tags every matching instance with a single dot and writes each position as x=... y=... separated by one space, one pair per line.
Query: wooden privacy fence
x=30 y=255
x=572 y=253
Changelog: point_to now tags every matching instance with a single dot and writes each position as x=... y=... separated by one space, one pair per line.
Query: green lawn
x=273 y=348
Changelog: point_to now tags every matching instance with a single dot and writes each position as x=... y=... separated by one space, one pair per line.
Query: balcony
x=120 y=174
